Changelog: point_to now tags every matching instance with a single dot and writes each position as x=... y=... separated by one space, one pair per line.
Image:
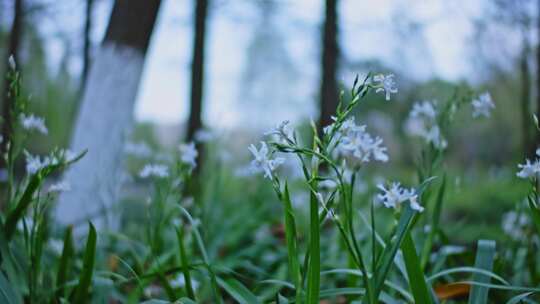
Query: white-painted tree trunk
x=105 y=116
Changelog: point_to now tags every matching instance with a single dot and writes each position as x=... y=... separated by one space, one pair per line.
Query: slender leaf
x=290 y=235
x=63 y=267
x=81 y=292
x=8 y=294
x=184 y=259
x=517 y=299
x=484 y=260
x=238 y=291
x=417 y=280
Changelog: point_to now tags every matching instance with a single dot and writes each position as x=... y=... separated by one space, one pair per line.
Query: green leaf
x=16 y=214
x=484 y=260
x=435 y=219
x=184 y=259
x=186 y=301
x=290 y=236
x=81 y=292
x=535 y=214
x=238 y=291
x=417 y=280
x=314 y=264
x=8 y=294
x=35 y=182
x=390 y=251
x=517 y=299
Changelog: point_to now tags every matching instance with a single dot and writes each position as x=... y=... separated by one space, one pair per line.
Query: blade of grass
x=484 y=260
x=238 y=291
x=517 y=299
x=8 y=294
x=390 y=251
x=435 y=219
x=184 y=259
x=290 y=236
x=314 y=264
x=417 y=280
x=535 y=214
x=80 y=294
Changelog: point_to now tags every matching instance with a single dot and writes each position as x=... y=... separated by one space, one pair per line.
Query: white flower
x=483 y=105
x=33 y=122
x=282 y=132
x=529 y=169
x=424 y=109
x=203 y=136
x=154 y=170
x=395 y=195
x=62 y=186
x=34 y=163
x=387 y=84
x=358 y=146
x=179 y=281
x=56 y=246
x=422 y=122
x=263 y=161
x=188 y=154
x=514 y=224
x=11 y=62
x=137 y=149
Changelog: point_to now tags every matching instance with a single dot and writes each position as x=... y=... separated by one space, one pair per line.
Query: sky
x=420 y=38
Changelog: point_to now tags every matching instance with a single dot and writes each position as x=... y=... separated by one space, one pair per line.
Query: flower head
x=154 y=170
x=263 y=161
x=529 y=169
x=188 y=154
x=395 y=195
x=62 y=186
x=422 y=122
x=483 y=105
x=386 y=84
x=282 y=131
x=358 y=146
x=11 y=62
x=33 y=122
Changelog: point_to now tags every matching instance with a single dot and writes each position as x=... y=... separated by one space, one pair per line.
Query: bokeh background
x=264 y=62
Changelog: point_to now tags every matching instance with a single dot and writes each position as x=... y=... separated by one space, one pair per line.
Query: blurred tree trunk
x=538 y=76
x=525 y=99
x=197 y=69
x=106 y=115
x=330 y=53
x=12 y=50
x=87 y=42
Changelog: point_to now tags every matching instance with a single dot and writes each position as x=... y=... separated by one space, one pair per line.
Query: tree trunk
x=87 y=43
x=106 y=115
x=525 y=101
x=13 y=50
x=538 y=76
x=330 y=53
x=197 y=69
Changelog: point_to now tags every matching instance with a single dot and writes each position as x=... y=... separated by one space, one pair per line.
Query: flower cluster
x=188 y=154
x=62 y=186
x=422 y=122
x=386 y=84
x=33 y=122
x=395 y=195
x=263 y=161
x=530 y=169
x=35 y=163
x=483 y=105
x=357 y=146
x=154 y=170
x=282 y=132
x=138 y=149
